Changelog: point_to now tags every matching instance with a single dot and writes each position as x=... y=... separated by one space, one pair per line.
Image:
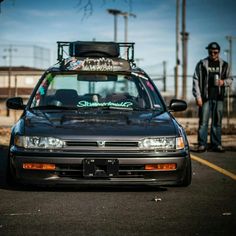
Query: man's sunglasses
x=213 y=52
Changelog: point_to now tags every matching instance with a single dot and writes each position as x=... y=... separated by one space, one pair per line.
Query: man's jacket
x=200 y=79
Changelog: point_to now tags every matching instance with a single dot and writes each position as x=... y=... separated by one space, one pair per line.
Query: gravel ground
x=4 y=136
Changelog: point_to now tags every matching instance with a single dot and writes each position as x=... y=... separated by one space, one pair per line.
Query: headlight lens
x=38 y=142
x=162 y=143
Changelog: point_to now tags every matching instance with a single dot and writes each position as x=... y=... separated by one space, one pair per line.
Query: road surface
x=207 y=207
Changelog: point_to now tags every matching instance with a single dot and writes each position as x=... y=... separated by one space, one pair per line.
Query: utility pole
x=9 y=50
x=226 y=51
x=5 y=58
x=115 y=13
x=176 y=72
x=230 y=50
x=184 y=50
x=164 y=76
x=230 y=60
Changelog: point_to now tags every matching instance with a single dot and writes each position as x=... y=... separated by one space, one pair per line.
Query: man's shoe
x=219 y=148
x=201 y=148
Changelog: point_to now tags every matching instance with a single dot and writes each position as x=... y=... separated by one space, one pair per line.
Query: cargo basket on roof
x=95 y=56
x=94 y=49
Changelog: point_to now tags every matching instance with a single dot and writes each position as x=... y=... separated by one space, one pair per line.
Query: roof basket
x=95 y=49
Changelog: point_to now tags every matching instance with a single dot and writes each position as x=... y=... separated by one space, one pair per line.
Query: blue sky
x=153 y=30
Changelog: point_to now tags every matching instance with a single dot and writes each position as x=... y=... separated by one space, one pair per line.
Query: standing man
x=211 y=77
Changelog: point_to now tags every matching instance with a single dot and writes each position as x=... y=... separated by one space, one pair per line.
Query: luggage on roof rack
x=95 y=49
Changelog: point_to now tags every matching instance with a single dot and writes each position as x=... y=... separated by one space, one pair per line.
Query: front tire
x=187 y=175
x=10 y=174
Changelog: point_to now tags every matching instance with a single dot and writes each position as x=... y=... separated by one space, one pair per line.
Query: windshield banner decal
x=96 y=64
x=104 y=104
x=100 y=64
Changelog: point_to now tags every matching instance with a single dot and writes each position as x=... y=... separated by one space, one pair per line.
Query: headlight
x=38 y=142
x=162 y=143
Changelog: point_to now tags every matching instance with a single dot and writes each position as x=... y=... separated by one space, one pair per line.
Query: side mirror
x=177 y=105
x=15 y=103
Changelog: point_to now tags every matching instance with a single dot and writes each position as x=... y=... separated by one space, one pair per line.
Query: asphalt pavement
x=206 y=207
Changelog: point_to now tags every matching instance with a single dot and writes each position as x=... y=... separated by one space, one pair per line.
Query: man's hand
x=220 y=82
x=199 y=102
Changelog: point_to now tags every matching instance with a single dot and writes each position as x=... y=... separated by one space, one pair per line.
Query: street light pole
x=126 y=16
x=115 y=13
x=126 y=27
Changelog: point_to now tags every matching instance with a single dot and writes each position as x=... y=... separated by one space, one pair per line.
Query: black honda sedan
x=97 y=119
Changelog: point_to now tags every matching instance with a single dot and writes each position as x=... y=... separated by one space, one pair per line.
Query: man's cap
x=213 y=45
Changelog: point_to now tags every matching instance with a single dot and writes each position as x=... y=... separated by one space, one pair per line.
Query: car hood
x=104 y=123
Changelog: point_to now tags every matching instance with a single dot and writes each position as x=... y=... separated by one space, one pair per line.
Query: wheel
x=188 y=175
x=10 y=174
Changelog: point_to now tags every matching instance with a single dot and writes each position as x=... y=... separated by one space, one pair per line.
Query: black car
x=95 y=118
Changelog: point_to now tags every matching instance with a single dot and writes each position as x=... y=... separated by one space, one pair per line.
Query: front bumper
x=70 y=168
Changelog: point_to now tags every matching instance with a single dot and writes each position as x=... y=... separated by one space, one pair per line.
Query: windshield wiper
x=117 y=108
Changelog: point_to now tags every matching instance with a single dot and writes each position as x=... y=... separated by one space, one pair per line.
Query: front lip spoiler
x=96 y=182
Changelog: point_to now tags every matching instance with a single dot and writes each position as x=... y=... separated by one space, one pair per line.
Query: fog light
x=38 y=166
x=164 y=166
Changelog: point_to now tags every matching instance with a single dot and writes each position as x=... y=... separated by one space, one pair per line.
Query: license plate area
x=103 y=168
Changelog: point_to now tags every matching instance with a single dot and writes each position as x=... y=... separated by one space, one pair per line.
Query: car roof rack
x=63 y=48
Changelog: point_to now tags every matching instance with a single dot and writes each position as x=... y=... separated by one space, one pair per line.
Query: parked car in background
x=95 y=118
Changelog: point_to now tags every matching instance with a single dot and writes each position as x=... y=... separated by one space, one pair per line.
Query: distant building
x=17 y=81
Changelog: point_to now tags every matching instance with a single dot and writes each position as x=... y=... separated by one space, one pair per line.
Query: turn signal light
x=39 y=166
x=164 y=166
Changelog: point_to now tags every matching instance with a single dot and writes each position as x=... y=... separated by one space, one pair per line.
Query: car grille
x=121 y=144
x=81 y=144
x=101 y=144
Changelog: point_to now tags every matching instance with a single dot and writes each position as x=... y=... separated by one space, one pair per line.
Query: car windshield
x=113 y=91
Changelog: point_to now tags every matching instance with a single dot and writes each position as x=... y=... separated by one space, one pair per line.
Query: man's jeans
x=213 y=109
